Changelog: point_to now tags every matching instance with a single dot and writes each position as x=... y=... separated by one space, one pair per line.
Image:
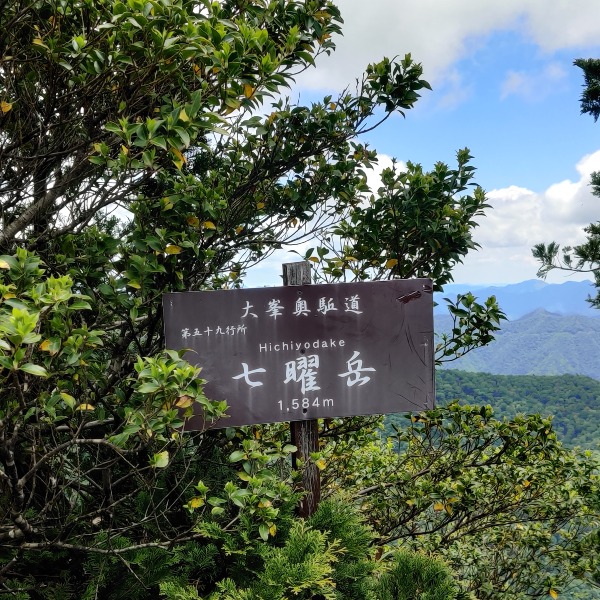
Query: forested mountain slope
x=540 y=343
x=574 y=401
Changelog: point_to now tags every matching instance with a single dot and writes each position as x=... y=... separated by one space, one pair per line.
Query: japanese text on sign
x=309 y=351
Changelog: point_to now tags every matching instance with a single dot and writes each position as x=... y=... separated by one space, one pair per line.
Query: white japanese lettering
x=246 y=375
x=326 y=306
x=247 y=312
x=352 y=304
x=301 y=308
x=303 y=370
x=355 y=369
x=275 y=308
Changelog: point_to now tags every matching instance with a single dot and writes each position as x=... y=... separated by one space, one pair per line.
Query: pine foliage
x=303 y=568
x=330 y=557
x=417 y=577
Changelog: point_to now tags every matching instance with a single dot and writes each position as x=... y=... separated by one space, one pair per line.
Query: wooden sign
x=309 y=351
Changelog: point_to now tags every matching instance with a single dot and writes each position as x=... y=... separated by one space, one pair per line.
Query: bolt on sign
x=310 y=351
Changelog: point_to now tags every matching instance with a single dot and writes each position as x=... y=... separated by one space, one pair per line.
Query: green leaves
x=166 y=100
x=473 y=326
x=32 y=369
x=417 y=225
x=160 y=460
x=167 y=391
x=237 y=456
x=19 y=327
x=481 y=492
x=590 y=98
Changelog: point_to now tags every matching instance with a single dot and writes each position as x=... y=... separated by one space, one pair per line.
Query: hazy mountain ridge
x=519 y=299
x=540 y=343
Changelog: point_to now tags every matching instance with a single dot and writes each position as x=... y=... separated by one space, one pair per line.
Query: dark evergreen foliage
x=590 y=97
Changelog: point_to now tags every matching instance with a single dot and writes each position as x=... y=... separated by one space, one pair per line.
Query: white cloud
x=438 y=34
x=521 y=218
x=563 y=24
x=533 y=86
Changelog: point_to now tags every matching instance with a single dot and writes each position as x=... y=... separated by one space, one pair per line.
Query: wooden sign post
x=305 y=434
x=300 y=352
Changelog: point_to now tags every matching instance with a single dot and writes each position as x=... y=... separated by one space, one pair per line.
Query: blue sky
x=504 y=86
x=518 y=113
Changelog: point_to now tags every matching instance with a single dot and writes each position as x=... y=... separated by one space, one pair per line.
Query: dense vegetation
x=572 y=401
x=162 y=108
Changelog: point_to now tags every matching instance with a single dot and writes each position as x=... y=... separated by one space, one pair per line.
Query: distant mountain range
x=551 y=329
x=539 y=343
x=519 y=299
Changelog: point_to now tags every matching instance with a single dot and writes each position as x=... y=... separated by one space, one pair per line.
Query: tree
x=590 y=98
x=509 y=508
x=157 y=110
x=330 y=555
x=418 y=225
x=583 y=258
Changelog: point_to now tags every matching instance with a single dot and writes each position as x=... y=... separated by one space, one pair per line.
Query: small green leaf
x=216 y=501
x=148 y=388
x=236 y=456
x=160 y=460
x=106 y=290
x=80 y=305
x=201 y=487
x=34 y=369
x=69 y=400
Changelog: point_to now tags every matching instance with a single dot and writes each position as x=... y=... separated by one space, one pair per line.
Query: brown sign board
x=310 y=351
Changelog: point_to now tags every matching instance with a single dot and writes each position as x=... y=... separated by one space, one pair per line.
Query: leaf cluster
x=502 y=501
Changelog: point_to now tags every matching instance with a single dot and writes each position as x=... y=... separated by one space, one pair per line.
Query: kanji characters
x=247 y=312
x=326 y=306
x=355 y=370
x=303 y=370
x=351 y=304
x=301 y=307
x=275 y=308
x=246 y=375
